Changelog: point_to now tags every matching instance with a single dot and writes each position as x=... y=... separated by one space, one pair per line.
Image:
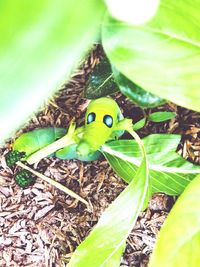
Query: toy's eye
x=108 y=120
x=91 y=117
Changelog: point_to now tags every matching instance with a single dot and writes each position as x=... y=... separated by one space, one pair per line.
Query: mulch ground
x=41 y=226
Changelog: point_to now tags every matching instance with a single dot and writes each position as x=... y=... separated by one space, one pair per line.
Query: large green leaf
x=105 y=243
x=163 y=55
x=179 y=239
x=169 y=172
x=160 y=116
x=101 y=81
x=138 y=95
x=41 y=41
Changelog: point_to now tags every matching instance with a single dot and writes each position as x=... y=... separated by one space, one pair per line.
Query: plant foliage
x=169 y=172
x=40 y=47
x=41 y=42
x=179 y=239
x=107 y=239
x=162 y=55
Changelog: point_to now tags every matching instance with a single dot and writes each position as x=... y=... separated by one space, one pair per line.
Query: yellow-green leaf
x=179 y=239
x=163 y=55
x=41 y=42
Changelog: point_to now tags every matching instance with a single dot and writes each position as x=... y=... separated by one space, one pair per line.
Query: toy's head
x=102 y=116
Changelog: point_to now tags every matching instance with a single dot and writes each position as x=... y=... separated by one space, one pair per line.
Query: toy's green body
x=31 y=142
x=37 y=139
x=102 y=117
x=101 y=124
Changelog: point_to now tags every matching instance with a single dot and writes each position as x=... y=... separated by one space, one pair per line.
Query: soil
x=42 y=226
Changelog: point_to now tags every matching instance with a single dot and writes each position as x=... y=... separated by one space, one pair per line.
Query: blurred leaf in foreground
x=163 y=55
x=41 y=42
x=179 y=239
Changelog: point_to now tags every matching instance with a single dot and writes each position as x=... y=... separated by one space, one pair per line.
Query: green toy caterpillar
x=103 y=122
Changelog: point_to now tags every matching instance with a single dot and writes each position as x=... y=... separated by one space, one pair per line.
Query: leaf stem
x=48 y=150
x=66 y=140
x=138 y=140
x=126 y=124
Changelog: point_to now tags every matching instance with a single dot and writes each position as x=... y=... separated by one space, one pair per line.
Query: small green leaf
x=179 y=239
x=163 y=55
x=135 y=93
x=169 y=172
x=139 y=124
x=161 y=116
x=104 y=244
x=101 y=81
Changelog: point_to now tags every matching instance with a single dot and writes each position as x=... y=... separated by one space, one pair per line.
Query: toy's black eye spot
x=108 y=120
x=91 y=117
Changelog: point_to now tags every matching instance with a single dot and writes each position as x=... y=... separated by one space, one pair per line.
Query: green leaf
x=179 y=239
x=41 y=42
x=104 y=244
x=161 y=116
x=101 y=81
x=163 y=55
x=116 y=258
x=138 y=95
x=169 y=172
x=69 y=152
x=139 y=124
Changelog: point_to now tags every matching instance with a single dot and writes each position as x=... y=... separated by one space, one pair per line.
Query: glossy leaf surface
x=169 y=172
x=161 y=56
x=139 y=124
x=101 y=81
x=41 y=42
x=179 y=239
x=161 y=116
x=135 y=93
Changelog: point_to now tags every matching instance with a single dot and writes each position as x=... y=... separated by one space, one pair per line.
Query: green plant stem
x=137 y=139
x=48 y=150
x=66 y=140
x=126 y=124
x=54 y=183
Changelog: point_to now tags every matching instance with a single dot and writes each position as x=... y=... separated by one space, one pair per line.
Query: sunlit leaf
x=169 y=172
x=139 y=124
x=179 y=239
x=135 y=93
x=163 y=55
x=108 y=237
x=41 y=42
x=161 y=116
